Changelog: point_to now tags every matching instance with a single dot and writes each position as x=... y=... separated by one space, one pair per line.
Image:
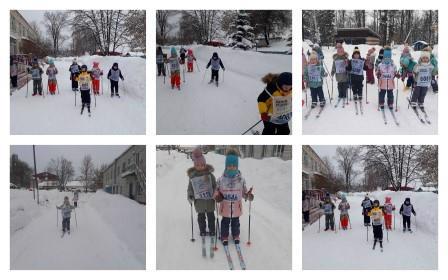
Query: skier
x=182 y=53
x=356 y=67
x=51 y=72
x=36 y=74
x=231 y=189
x=388 y=209
x=84 y=81
x=328 y=207
x=434 y=62
x=386 y=73
x=304 y=65
x=75 y=198
x=339 y=68
x=377 y=223
x=379 y=59
x=190 y=59
x=370 y=62
x=174 y=62
x=306 y=205
x=201 y=187
x=406 y=210
x=66 y=211
x=74 y=70
x=96 y=74
x=423 y=71
x=216 y=64
x=114 y=76
x=13 y=72
x=314 y=72
x=160 y=60
x=277 y=91
x=407 y=64
x=366 y=205
x=319 y=52
x=343 y=207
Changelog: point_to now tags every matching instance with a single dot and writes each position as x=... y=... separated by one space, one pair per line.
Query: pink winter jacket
x=386 y=74
x=233 y=189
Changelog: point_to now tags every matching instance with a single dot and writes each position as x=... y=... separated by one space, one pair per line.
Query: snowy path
x=270 y=225
x=350 y=249
x=203 y=108
x=91 y=245
x=58 y=115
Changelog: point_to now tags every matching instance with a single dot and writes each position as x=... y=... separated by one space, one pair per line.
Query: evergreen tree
x=243 y=37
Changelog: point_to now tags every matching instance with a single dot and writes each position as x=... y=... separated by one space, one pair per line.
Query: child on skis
x=339 y=69
x=275 y=103
x=370 y=62
x=114 y=76
x=343 y=207
x=306 y=206
x=160 y=61
x=84 y=81
x=407 y=64
x=366 y=205
x=231 y=189
x=216 y=64
x=386 y=73
x=36 y=75
x=201 y=187
x=379 y=59
x=174 y=62
x=388 y=209
x=434 y=62
x=74 y=70
x=314 y=72
x=406 y=210
x=190 y=59
x=13 y=72
x=423 y=71
x=356 y=68
x=377 y=223
x=182 y=53
x=328 y=207
x=51 y=72
x=96 y=74
x=75 y=198
x=66 y=211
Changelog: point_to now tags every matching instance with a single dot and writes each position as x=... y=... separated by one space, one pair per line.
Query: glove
x=218 y=197
x=250 y=196
x=265 y=117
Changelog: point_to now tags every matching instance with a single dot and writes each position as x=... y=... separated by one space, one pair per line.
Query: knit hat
x=314 y=55
x=197 y=157
x=356 y=51
x=215 y=55
x=284 y=78
x=173 y=51
x=387 y=52
x=231 y=160
x=388 y=199
x=371 y=50
x=377 y=202
x=96 y=64
x=51 y=61
x=425 y=54
x=115 y=64
x=190 y=51
x=407 y=200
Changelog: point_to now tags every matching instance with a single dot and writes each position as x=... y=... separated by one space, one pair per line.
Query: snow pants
x=13 y=81
x=410 y=80
x=65 y=224
x=388 y=221
x=366 y=219
x=37 y=87
x=357 y=90
x=175 y=79
x=406 y=222
x=275 y=129
x=96 y=86
x=344 y=221
x=317 y=94
x=74 y=82
x=390 y=98
x=203 y=223
x=113 y=87
x=234 y=224
x=75 y=203
x=215 y=75
x=378 y=232
x=342 y=89
x=306 y=216
x=370 y=77
x=418 y=96
x=85 y=99
x=434 y=85
x=190 y=66
x=329 y=221
x=52 y=86
x=161 y=69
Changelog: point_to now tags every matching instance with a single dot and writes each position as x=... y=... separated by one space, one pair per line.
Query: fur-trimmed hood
x=191 y=172
x=335 y=56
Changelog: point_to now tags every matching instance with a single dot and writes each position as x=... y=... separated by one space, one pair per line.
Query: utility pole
x=35 y=174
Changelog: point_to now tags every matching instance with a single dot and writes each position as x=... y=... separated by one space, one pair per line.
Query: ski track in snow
x=202 y=108
x=350 y=249
x=57 y=114
x=270 y=224
x=344 y=121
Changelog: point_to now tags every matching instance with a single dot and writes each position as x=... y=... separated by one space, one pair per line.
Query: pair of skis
x=391 y=110
x=423 y=119
x=211 y=248
x=360 y=110
x=240 y=257
x=307 y=115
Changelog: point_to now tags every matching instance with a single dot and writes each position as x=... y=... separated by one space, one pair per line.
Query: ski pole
x=387 y=234
x=367 y=100
x=367 y=231
x=396 y=99
x=319 y=224
x=306 y=98
x=27 y=85
x=47 y=87
x=251 y=127
x=415 y=221
x=197 y=65
x=250 y=211
x=183 y=72
x=349 y=221
x=94 y=97
x=328 y=90
x=394 y=219
x=203 y=77
x=191 y=214
x=75 y=98
x=102 y=86
x=57 y=217
x=57 y=86
x=217 y=231
x=412 y=94
x=223 y=75
x=76 y=220
x=164 y=73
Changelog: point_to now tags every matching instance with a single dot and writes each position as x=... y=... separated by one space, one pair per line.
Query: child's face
x=313 y=61
x=232 y=167
x=200 y=167
x=356 y=55
x=425 y=59
x=286 y=89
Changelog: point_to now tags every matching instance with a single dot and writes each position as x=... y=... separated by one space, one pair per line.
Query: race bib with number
x=357 y=67
x=231 y=188
x=202 y=187
x=314 y=73
x=84 y=83
x=340 y=66
x=424 y=76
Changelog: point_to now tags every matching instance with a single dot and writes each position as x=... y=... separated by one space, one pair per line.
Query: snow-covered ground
x=344 y=121
x=58 y=115
x=271 y=215
x=350 y=249
x=108 y=232
x=231 y=108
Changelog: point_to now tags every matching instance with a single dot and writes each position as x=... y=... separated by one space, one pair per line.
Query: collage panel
x=77 y=207
x=224 y=207
x=371 y=207
x=224 y=72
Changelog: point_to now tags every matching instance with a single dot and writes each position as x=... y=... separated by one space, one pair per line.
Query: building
x=314 y=169
x=126 y=175
x=22 y=35
x=356 y=36
x=259 y=151
x=46 y=181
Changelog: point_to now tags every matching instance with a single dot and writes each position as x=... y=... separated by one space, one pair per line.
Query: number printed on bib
x=424 y=77
x=314 y=73
x=202 y=187
x=340 y=66
x=357 y=67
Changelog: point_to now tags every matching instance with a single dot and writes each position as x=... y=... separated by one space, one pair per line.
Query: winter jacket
x=370 y=61
x=265 y=103
x=434 y=63
x=115 y=75
x=96 y=73
x=340 y=63
x=328 y=208
x=51 y=72
x=216 y=63
x=13 y=71
x=344 y=207
x=174 y=63
x=36 y=73
x=190 y=58
x=366 y=205
x=386 y=74
x=66 y=210
x=423 y=74
x=84 y=80
x=201 y=187
x=233 y=190
x=159 y=57
x=407 y=210
x=376 y=214
x=74 y=69
x=388 y=208
x=356 y=68
x=313 y=75
x=75 y=196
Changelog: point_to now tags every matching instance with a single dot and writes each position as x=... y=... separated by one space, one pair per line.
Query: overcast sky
x=100 y=154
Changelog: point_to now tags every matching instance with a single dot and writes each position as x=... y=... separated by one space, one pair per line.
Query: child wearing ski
x=160 y=61
x=370 y=63
x=96 y=74
x=66 y=211
x=377 y=224
x=174 y=62
x=84 y=81
x=406 y=210
x=423 y=71
x=13 y=72
x=216 y=64
x=36 y=75
x=190 y=59
x=356 y=68
x=74 y=70
x=277 y=91
x=114 y=76
x=379 y=59
x=339 y=69
x=314 y=72
x=231 y=190
x=51 y=72
x=306 y=206
x=182 y=53
x=386 y=73
x=328 y=207
x=366 y=205
x=388 y=209
x=201 y=187
x=434 y=62
x=343 y=207
x=407 y=64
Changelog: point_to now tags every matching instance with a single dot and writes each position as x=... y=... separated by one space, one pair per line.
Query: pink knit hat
x=198 y=157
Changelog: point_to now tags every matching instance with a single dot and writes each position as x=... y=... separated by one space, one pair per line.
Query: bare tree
x=55 y=22
x=62 y=168
x=428 y=158
x=98 y=173
x=347 y=158
x=163 y=26
x=87 y=171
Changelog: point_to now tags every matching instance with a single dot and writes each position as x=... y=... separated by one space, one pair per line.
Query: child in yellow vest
x=84 y=79
x=376 y=214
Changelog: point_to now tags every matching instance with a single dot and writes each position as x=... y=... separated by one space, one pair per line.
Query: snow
x=350 y=249
x=202 y=108
x=58 y=115
x=270 y=222
x=107 y=233
x=344 y=121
